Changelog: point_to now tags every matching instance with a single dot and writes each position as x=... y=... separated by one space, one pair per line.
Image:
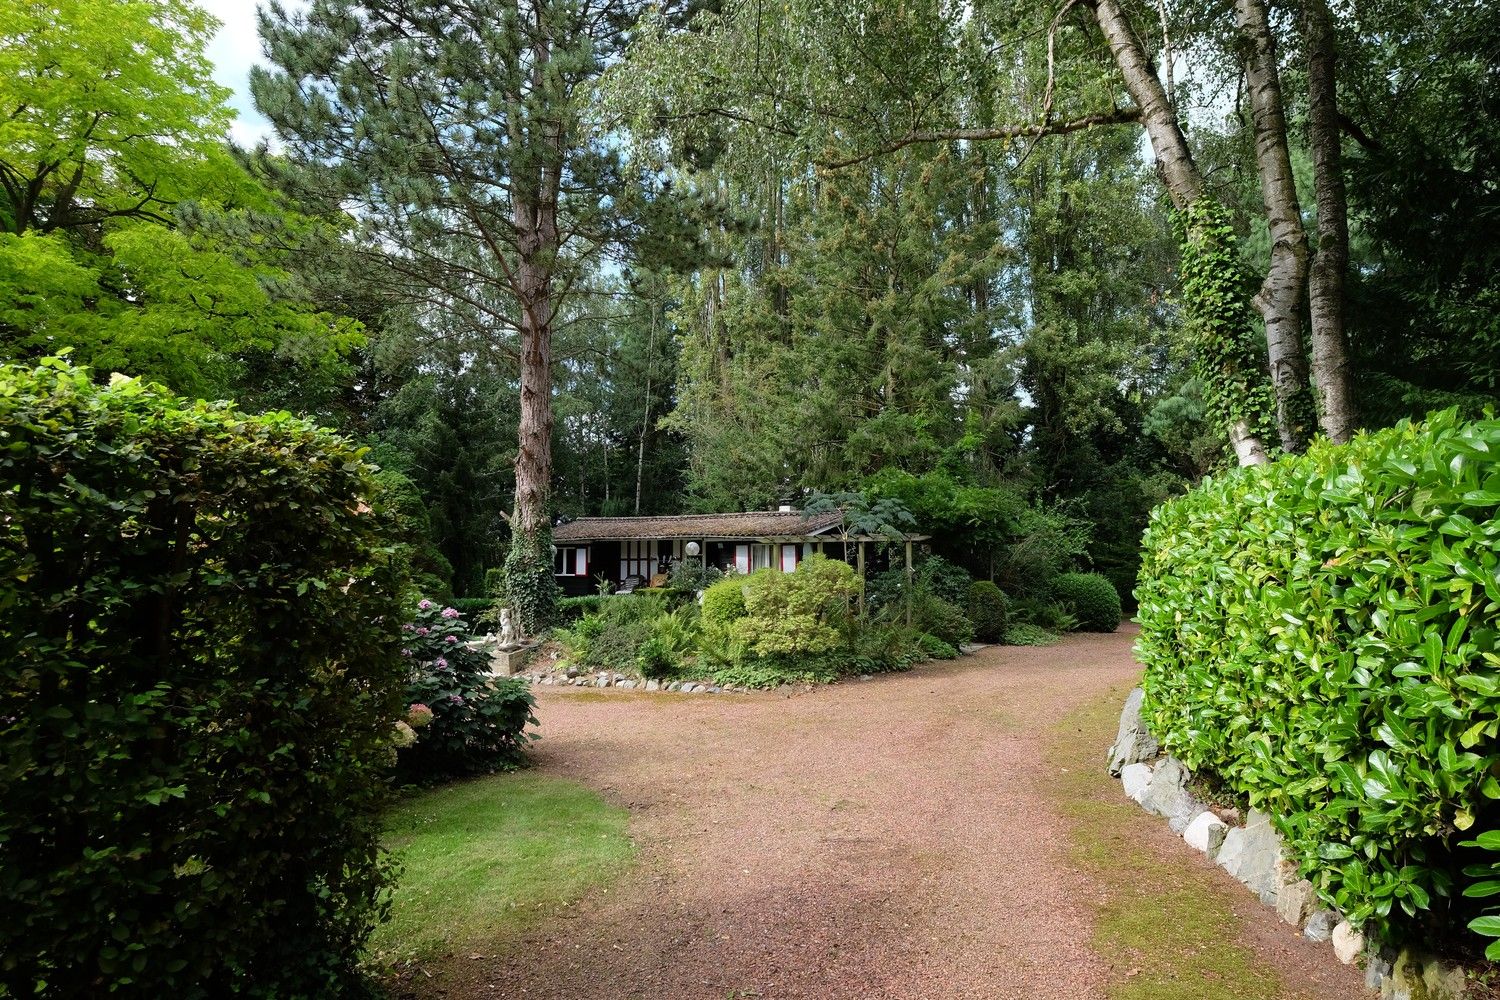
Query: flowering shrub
x=470 y=722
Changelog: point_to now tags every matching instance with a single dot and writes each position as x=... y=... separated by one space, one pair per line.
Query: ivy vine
x=1228 y=358
x=531 y=591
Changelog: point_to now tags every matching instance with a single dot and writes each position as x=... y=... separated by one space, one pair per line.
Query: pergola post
x=909 y=581
x=861 y=559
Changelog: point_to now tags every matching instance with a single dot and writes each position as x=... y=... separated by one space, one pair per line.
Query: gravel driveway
x=901 y=837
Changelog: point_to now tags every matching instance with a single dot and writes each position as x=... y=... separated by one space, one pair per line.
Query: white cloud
x=234 y=50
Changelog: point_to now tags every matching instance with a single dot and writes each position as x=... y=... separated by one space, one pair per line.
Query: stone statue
x=509 y=636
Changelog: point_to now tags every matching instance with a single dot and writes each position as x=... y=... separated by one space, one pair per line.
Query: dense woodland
x=1028 y=269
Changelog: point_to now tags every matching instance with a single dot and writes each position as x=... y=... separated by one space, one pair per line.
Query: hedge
x=200 y=676
x=1321 y=634
x=988 y=610
x=1090 y=598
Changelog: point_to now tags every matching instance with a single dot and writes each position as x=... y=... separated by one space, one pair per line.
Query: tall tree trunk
x=534 y=213
x=1222 y=315
x=1330 y=357
x=1174 y=161
x=640 y=455
x=1280 y=296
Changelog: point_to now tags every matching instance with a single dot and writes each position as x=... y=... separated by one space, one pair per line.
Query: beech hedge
x=1320 y=633
x=200 y=669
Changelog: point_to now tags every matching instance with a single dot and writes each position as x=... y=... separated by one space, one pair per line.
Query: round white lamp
x=692 y=548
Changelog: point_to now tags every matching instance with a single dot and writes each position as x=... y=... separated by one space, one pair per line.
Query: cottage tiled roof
x=753 y=524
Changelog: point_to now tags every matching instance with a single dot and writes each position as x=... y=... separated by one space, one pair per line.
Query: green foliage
x=936 y=648
x=724 y=602
x=128 y=233
x=1027 y=634
x=691 y=575
x=531 y=591
x=199 y=659
x=1228 y=362
x=571 y=609
x=1045 y=614
x=494 y=582
x=988 y=610
x=1321 y=635
x=612 y=637
x=474 y=608
x=797 y=613
x=479 y=721
x=1091 y=599
x=1486 y=885
x=764 y=673
x=944 y=619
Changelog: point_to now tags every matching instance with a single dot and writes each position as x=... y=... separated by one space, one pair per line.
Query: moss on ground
x=1164 y=922
x=483 y=859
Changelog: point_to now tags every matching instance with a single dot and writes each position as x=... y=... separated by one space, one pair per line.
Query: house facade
x=622 y=550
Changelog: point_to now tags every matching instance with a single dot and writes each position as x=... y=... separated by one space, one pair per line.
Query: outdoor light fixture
x=691 y=548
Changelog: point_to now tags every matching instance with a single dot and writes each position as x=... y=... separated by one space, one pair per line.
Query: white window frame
x=574 y=560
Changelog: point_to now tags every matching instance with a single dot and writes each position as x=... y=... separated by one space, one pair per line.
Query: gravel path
x=894 y=838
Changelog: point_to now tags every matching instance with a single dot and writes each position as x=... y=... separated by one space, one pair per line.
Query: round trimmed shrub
x=724 y=602
x=200 y=662
x=989 y=611
x=1090 y=598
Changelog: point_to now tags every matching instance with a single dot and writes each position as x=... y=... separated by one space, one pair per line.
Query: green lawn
x=483 y=858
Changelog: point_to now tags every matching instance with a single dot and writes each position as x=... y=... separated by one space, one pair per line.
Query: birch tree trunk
x=1330 y=357
x=1280 y=296
x=1175 y=164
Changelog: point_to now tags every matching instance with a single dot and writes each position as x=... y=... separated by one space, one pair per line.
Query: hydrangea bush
x=463 y=720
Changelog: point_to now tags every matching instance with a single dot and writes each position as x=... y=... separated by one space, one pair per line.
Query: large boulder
x=1136 y=778
x=1250 y=854
x=1133 y=743
x=1168 y=795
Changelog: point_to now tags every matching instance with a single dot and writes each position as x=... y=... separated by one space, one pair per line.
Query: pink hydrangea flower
x=418 y=715
x=450 y=612
x=450 y=638
x=406 y=652
x=456 y=699
x=440 y=663
x=422 y=631
x=423 y=604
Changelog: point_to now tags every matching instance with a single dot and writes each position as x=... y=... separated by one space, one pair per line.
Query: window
x=788 y=558
x=637 y=558
x=760 y=556
x=571 y=560
x=742 y=558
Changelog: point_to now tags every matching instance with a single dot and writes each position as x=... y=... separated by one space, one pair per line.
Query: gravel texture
x=891 y=838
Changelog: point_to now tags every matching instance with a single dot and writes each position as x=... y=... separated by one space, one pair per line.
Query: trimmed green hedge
x=989 y=610
x=200 y=672
x=1321 y=634
x=1091 y=599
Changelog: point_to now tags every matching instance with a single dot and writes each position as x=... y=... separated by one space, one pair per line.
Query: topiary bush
x=724 y=601
x=200 y=662
x=989 y=611
x=479 y=721
x=1321 y=635
x=798 y=613
x=1091 y=599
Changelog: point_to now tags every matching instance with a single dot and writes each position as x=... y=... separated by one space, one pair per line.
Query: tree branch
x=1119 y=116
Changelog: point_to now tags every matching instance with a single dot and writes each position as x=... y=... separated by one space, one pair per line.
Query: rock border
x=1252 y=852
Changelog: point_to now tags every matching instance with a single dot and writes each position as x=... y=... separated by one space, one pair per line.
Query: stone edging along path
x=1252 y=853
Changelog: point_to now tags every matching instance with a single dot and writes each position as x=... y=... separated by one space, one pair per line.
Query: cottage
x=633 y=550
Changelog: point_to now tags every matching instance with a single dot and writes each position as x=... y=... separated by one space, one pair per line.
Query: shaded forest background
x=988 y=331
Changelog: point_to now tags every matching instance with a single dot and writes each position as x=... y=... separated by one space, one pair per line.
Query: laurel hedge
x=1321 y=634
x=200 y=670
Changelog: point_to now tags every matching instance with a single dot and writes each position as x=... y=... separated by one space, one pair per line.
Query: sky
x=234 y=50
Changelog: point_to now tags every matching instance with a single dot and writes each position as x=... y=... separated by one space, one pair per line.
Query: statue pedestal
x=508 y=659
